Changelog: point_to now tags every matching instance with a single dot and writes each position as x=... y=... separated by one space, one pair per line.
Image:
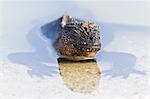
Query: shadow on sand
x=123 y=63
x=37 y=59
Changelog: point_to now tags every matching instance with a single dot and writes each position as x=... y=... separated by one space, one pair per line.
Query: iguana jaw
x=89 y=55
x=77 y=58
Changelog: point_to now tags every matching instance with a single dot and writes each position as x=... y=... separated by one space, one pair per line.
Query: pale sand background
x=28 y=65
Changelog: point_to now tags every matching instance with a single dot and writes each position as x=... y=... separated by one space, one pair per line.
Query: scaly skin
x=77 y=40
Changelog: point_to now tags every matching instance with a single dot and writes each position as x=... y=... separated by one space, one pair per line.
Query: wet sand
x=82 y=76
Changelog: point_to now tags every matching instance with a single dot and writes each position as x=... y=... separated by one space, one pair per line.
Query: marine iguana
x=72 y=38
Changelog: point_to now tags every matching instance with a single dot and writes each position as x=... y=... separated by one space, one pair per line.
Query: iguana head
x=82 y=38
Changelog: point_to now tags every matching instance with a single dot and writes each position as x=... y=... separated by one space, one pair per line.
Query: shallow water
x=29 y=65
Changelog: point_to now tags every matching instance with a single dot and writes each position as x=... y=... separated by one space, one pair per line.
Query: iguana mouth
x=91 y=48
x=96 y=46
